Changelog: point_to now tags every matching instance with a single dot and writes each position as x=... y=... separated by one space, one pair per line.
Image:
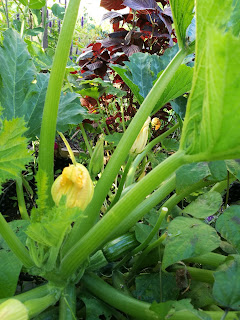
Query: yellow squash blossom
x=141 y=141
x=74 y=183
x=156 y=123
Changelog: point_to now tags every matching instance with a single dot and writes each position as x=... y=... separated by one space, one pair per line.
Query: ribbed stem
x=36 y=306
x=49 y=120
x=133 y=307
x=67 y=309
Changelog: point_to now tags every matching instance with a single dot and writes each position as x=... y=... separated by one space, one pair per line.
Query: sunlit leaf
x=210 y=129
x=182 y=11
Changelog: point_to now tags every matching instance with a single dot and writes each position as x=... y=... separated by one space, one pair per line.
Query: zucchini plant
x=180 y=242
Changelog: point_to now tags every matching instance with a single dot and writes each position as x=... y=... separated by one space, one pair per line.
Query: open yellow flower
x=141 y=140
x=74 y=183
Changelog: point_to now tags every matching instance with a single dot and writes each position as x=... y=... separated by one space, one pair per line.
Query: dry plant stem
x=15 y=244
x=120 y=154
x=49 y=120
x=110 y=222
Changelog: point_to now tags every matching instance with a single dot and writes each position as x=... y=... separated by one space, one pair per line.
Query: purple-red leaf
x=112 y=5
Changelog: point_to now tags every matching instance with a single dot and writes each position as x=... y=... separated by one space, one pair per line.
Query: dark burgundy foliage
x=146 y=28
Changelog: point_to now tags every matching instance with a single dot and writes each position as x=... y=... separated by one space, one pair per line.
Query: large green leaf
x=16 y=74
x=13 y=149
x=23 y=91
x=182 y=11
x=211 y=127
x=228 y=225
x=188 y=237
x=226 y=288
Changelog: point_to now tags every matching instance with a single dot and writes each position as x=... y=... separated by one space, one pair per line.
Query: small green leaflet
x=182 y=11
x=13 y=149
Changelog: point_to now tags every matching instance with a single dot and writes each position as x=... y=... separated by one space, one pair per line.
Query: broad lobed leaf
x=212 y=118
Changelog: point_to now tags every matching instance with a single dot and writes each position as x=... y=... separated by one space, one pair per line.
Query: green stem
x=150 y=202
x=149 y=238
x=122 y=181
x=67 y=309
x=117 y=159
x=142 y=256
x=197 y=274
x=35 y=293
x=131 y=306
x=85 y=138
x=138 y=159
x=110 y=222
x=20 y=198
x=36 y=306
x=210 y=259
x=14 y=243
x=49 y=120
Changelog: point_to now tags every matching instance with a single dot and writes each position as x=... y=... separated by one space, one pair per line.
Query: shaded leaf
x=142 y=231
x=10 y=268
x=205 y=205
x=179 y=106
x=218 y=170
x=140 y=4
x=226 y=288
x=233 y=167
x=228 y=225
x=13 y=149
x=150 y=287
x=190 y=174
x=110 y=5
x=188 y=237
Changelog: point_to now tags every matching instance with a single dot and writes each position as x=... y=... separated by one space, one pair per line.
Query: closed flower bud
x=142 y=138
x=97 y=159
x=13 y=309
x=156 y=123
x=74 y=183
